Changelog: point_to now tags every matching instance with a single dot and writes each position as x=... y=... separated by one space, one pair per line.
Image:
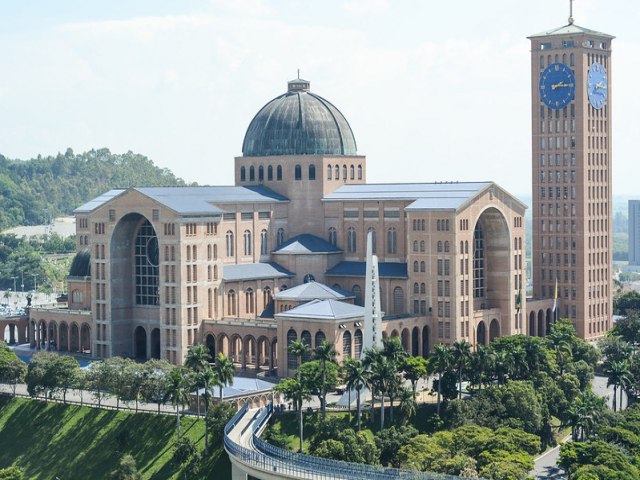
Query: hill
x=69 y=442
x=34 y=191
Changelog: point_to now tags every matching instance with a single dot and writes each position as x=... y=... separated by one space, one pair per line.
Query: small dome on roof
x=81 y=264
x=299 y=123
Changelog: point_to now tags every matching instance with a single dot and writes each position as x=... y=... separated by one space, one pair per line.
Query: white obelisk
x=372 y=313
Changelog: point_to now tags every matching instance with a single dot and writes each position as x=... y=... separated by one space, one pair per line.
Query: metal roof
x=312 y=291
x=324 y=310
x=570 y=29
x=254 y=271
x=306 y=244
x=358 y=269
x=194 y=200
x=299 y=123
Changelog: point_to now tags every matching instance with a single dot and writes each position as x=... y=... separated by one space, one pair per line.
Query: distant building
x=634 y=232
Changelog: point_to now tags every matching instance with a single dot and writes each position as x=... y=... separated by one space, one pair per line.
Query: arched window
x=76 y=296
x=292 y=361
x=461 y=246
x=423 y=288
x=478 y=262
x=357 y=292
x=359 y=172
x=247 y=242
x=305 y=336
x=231 y=303
x=252 y=173
x=416 y=288
x=248 y=297
x=261 y=173
x=352 y=172
x=215 y=252
x=279 y=172
x=264 y=243
x=280 y=236
x=320 y=337
x=337 y=172
x=571 y=60
x=267 y=298
x=344 y=173
x=208 y=252
x=269 y=172
x=215 y=272
x=243 y=174
x=422 y=225
x=446 y=246
x=188 y=253
x=195 y=253
x=398 y=301
x=147 y=265
x=374 y=240
x=351 y=240
x=422 y=249
x=298 y=172
x=415 y=245
x=210 y=303
x=357 y=342
x=329 y=172
x=392 y=246
x=229 y=238
x=466 y=246
x=415 y=266
x=346 y=344
x=423 y=267
x=312 y=172
x=439 y=246
x=333 y=236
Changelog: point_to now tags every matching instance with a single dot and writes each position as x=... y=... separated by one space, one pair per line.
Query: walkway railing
x=269 y=458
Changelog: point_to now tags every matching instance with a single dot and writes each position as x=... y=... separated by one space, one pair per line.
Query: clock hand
x=561 y=84
x=601 y=85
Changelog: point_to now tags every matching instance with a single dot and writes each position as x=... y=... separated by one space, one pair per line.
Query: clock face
x=597 y=85
x=557 y=86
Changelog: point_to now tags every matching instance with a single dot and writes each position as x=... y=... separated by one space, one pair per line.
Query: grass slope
x=73 y=442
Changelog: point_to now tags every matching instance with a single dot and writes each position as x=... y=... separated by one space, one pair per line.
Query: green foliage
x=390 y=440
x=127 y=469
x=34 y=191
x=12 y=369
x=617 y=464
x=219 y=415
x=184 y=449
x=49 y=373
x=11 y=473
x=350 y=446
x=501 y=465
x=626 y=302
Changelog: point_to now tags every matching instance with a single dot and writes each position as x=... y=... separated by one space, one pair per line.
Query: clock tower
x=571 y=174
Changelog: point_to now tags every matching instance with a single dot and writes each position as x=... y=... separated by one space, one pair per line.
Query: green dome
x=299 y=123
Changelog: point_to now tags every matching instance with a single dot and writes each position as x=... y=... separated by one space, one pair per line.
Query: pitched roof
x=312 y=291
x=194 y=200
x=324 y=310
x=306 y=244
x=254 y=271
x=358 y=269
x=570 y=29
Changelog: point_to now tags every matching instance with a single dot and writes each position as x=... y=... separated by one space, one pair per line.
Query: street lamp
x=14 y=284
x=22 y=281
x=35 y=282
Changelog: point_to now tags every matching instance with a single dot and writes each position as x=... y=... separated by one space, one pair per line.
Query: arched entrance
x=541 y=323
x=210 y=342
x=405 y=339
x=74 y=338
x=494 y=330
x=481 y=334
x=425 y=342
x=64 y=337
x=415 y=341
x=140 y=343
x=549 y=321
x=155 y=343
x=532 y=324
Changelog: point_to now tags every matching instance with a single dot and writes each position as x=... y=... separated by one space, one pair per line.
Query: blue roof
x=194 y=200
x=254 y=271
x=312 y=291
x=306 y=244
x=240 y=386
x=358 y=269
x=324 y=310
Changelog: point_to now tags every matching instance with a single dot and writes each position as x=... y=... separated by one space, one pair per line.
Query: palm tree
x=560 y=342
x=208 y=379
x=325 y=352
x=178 y=391
x=519 y=364
x=382 y=373
x=461 y=352
x=197 y=359
x=481 y=364
x=534 y=353
x=582 y=414
x=441 y=359
x=356 y=377
x=618 y=375
x=394 y=351
x=224 y=370
x=298 y=392
x=408 y=406
x=299 y=348
x=501 y=363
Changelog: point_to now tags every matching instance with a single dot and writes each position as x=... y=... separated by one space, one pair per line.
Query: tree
x=441 y=359
x=224 y=370
x=12 y=369
x=299 y=348
x=355 y=377
x=382 y=372
x=156 y=381
x=298 y=392
x=12 y=473
x=461 y=353
x=98 y=380
x=582 y=414
x=618 y=375
x=408 y=406
x=480 y=365
x=118 y=379
x=197 y=360
x=127 y=469
x=208 y=379
x=560 y=341
x=350 y=446
x=49 y=373
x=390 y=440
x=324 y=353
x=317 y=379
x=178 y=390
x=414 y=369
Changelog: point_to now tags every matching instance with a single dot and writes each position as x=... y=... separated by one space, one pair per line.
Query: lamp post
x=35 y=282
x=22 y=280
x=14 y=284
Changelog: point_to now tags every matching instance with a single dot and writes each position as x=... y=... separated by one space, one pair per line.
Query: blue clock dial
x=597 y=85
x=557 y=86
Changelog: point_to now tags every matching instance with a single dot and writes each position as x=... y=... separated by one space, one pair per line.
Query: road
x=546 y=465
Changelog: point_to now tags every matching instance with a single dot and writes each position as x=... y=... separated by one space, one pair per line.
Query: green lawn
x=72 y=442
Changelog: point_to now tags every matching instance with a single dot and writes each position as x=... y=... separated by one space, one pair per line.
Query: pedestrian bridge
x=252 y=458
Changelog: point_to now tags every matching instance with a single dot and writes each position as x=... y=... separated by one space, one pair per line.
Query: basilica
x=280 y=255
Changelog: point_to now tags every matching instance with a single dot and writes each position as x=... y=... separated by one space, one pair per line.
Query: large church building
x=280 y=255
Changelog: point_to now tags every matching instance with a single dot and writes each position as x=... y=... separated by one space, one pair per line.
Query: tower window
x=146 y=265
x=261 y=173
x=279 y=173
x=252 y=173
x=312 y=172
x=333 y=237
x=351 y=240
x=243 y=174
x=270 y=173
x=298 y=172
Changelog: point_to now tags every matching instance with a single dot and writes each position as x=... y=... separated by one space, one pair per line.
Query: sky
x=434 y=91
